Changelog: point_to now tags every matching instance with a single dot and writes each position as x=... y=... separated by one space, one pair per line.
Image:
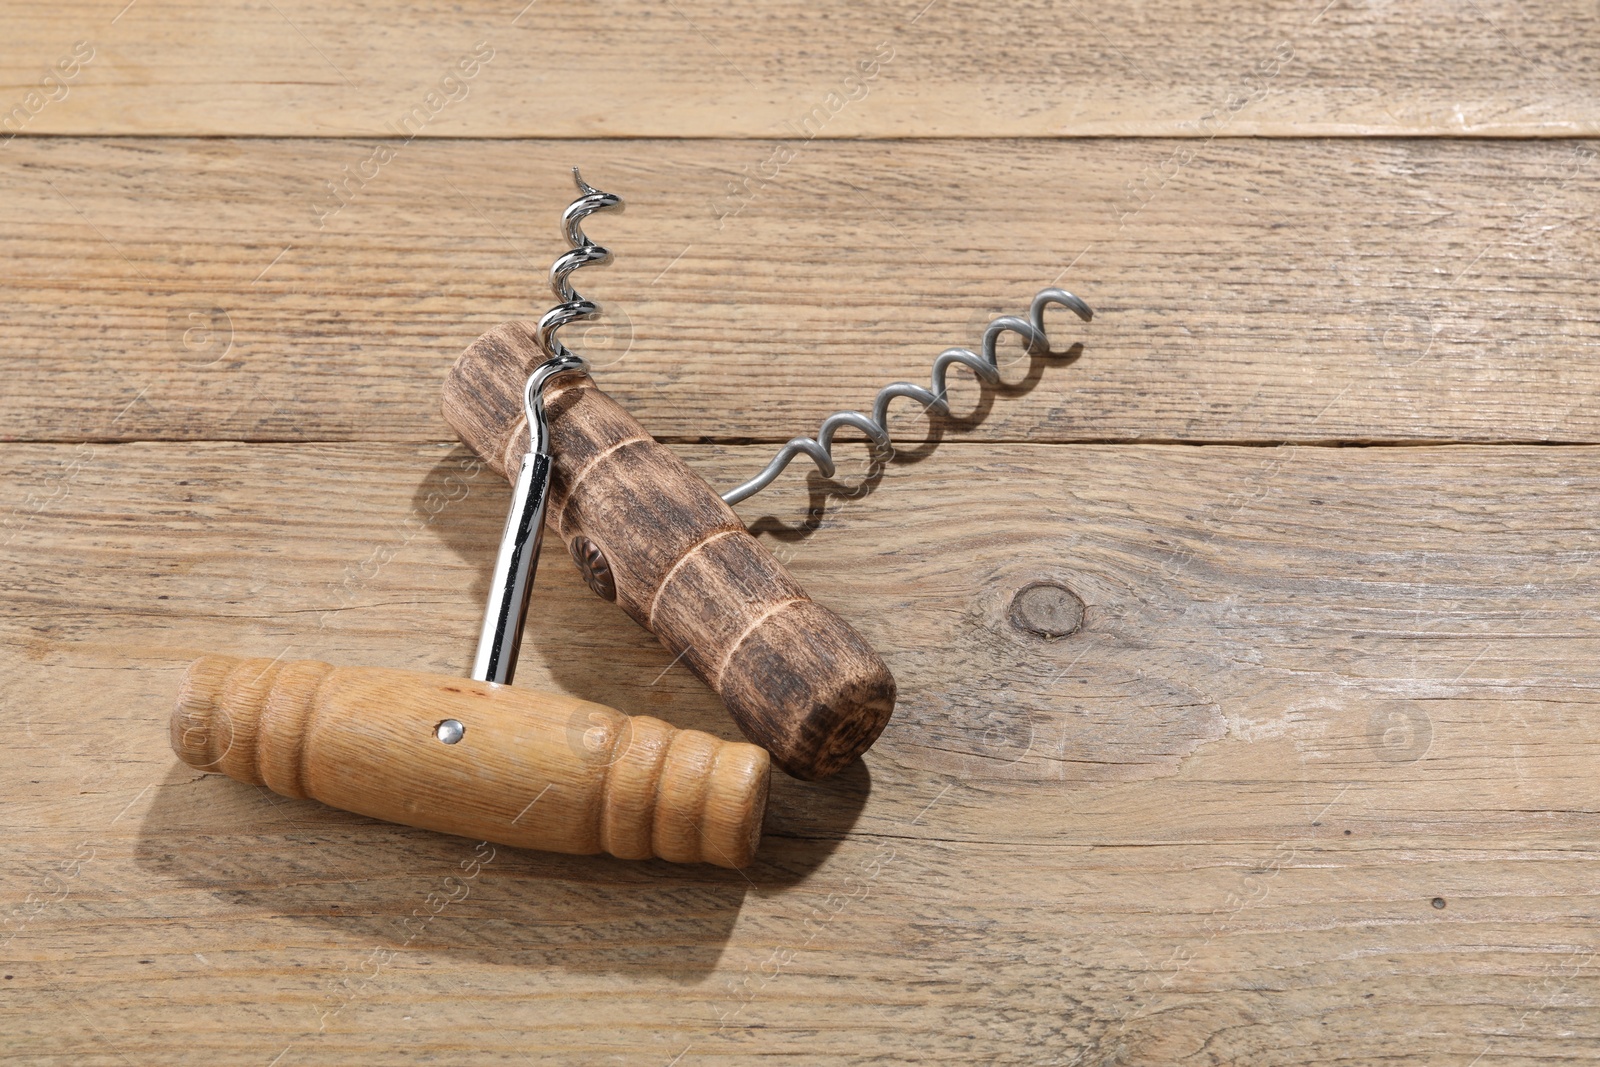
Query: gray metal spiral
x=584 y=253
x=933 y=399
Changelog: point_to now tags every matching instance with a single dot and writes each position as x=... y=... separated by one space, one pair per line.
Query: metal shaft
x=514 y=569
x=518 y=558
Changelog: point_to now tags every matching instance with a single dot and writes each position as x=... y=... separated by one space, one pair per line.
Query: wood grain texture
x=1257 y=755
x=365 y=739
x=1308 y=291
x=799 y=680
x=1311 y=781
x=695 y=69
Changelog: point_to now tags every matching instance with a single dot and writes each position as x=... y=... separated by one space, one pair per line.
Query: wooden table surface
x=1310 y=781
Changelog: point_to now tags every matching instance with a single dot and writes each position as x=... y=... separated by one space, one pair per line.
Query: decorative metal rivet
x=594 y=568
x=450 y=731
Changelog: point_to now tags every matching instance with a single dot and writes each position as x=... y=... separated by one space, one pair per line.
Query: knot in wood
x=1048 y=609
x=594 y=568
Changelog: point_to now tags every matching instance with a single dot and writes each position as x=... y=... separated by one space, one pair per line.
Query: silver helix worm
x=934 y=399
x=560 y=360
x=584 y=253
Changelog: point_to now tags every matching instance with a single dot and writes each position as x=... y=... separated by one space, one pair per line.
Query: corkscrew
x=649 y=534
x=934 y=399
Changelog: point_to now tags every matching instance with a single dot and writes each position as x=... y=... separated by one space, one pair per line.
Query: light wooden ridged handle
x=531 y=770
x=799 y=680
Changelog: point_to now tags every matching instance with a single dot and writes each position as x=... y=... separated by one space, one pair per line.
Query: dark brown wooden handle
x=651 y=534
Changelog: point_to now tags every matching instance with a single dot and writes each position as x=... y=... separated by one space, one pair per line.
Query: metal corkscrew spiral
x=584 y=253
x=934 y=399
x=518 y=560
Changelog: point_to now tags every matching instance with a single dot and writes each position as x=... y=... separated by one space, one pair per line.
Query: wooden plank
x=1312 y=781
x=1307 y=291
x=694 y=69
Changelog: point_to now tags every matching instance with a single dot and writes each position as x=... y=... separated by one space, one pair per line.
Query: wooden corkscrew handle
x=653 y=536
x=526 y=769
